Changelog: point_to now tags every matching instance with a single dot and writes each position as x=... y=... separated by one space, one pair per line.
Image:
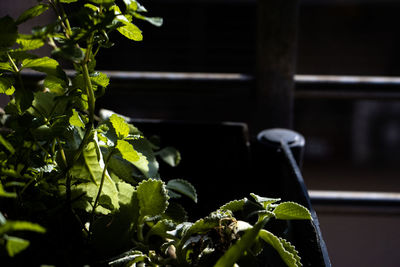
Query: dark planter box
x=221 y=161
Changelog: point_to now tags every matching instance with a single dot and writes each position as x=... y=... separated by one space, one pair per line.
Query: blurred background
x=201 y=65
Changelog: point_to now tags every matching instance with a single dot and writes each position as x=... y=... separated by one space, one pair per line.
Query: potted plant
x=76 y=190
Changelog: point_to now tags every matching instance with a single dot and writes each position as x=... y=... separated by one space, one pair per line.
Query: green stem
x=103 y=176
x=140 y=229
x=89 y=92
x=17 y=70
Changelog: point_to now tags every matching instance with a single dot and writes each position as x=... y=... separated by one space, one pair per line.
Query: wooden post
x=276 y=60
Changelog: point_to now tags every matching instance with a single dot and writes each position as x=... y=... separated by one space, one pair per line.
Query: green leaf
x=235 y=205
x=156 y=21
x=287 y=252
x=131 y=31
x=3 y=193
x=264 y=201
x=69 y=52
x=161 y=228
x=15 y=245
x=23 y=99
x=8 y=32
x=153 y=197
x=130 y=259
x=7 y=144
x=11 y=226
x=6 y=86
x=68 y=1
x=291 y=211
x=6 y=66
x=100 y=79
x=92 y=168
x=127 y=151
x=183 y=187
x=232 y=255
x=28 y=43
x=120 y=126
x=55 y=84
x=46 y=104
x=32 y=12
x=76 y=120
x=176 y=213
x=44 y=64
x=170 y=155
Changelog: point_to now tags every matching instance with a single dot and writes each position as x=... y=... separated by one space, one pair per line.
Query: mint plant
x=76 y=189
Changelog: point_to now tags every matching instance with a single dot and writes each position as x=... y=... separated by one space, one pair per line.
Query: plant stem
x=89 y=92
x=103 y=176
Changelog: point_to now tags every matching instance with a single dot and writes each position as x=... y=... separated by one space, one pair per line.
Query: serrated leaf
x=6 y=86
x=15 y=245
x=170 y=155
x=291 y=211
x=231 y=256
x=6 y=66
x=235 y=205
x=100 y=79
x=8 y=32
x=44 y=64
x=264 y=201
x=290 y=257
x=120 y=126
x=76 y=120
x=131 y=31
x=176 y=213
x=161 y=229
x=127 y=151
x=153 y=197
x=183 y=187
x=55 y=84
x=32 y=12
x=29 y=44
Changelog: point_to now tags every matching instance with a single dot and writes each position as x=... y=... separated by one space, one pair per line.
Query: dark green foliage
x=77 y=190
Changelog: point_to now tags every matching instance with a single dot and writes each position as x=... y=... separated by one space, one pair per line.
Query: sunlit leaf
x=32 y=12
x=264 y=201
x=55 y=84
x=131 y=31
x=6 y=66
x=6 y=86
x=15 y=245
x=29 y=44
x=76 y=120
x=127 y=151
x=291 y=211
x=120 y=126
x=287 y=252
x=44 y=64
x=235 y=205
x=157 y=203
x=68 y=1
x=156 y=21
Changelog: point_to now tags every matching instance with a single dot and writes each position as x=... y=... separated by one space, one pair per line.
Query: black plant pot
x=224 y=164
